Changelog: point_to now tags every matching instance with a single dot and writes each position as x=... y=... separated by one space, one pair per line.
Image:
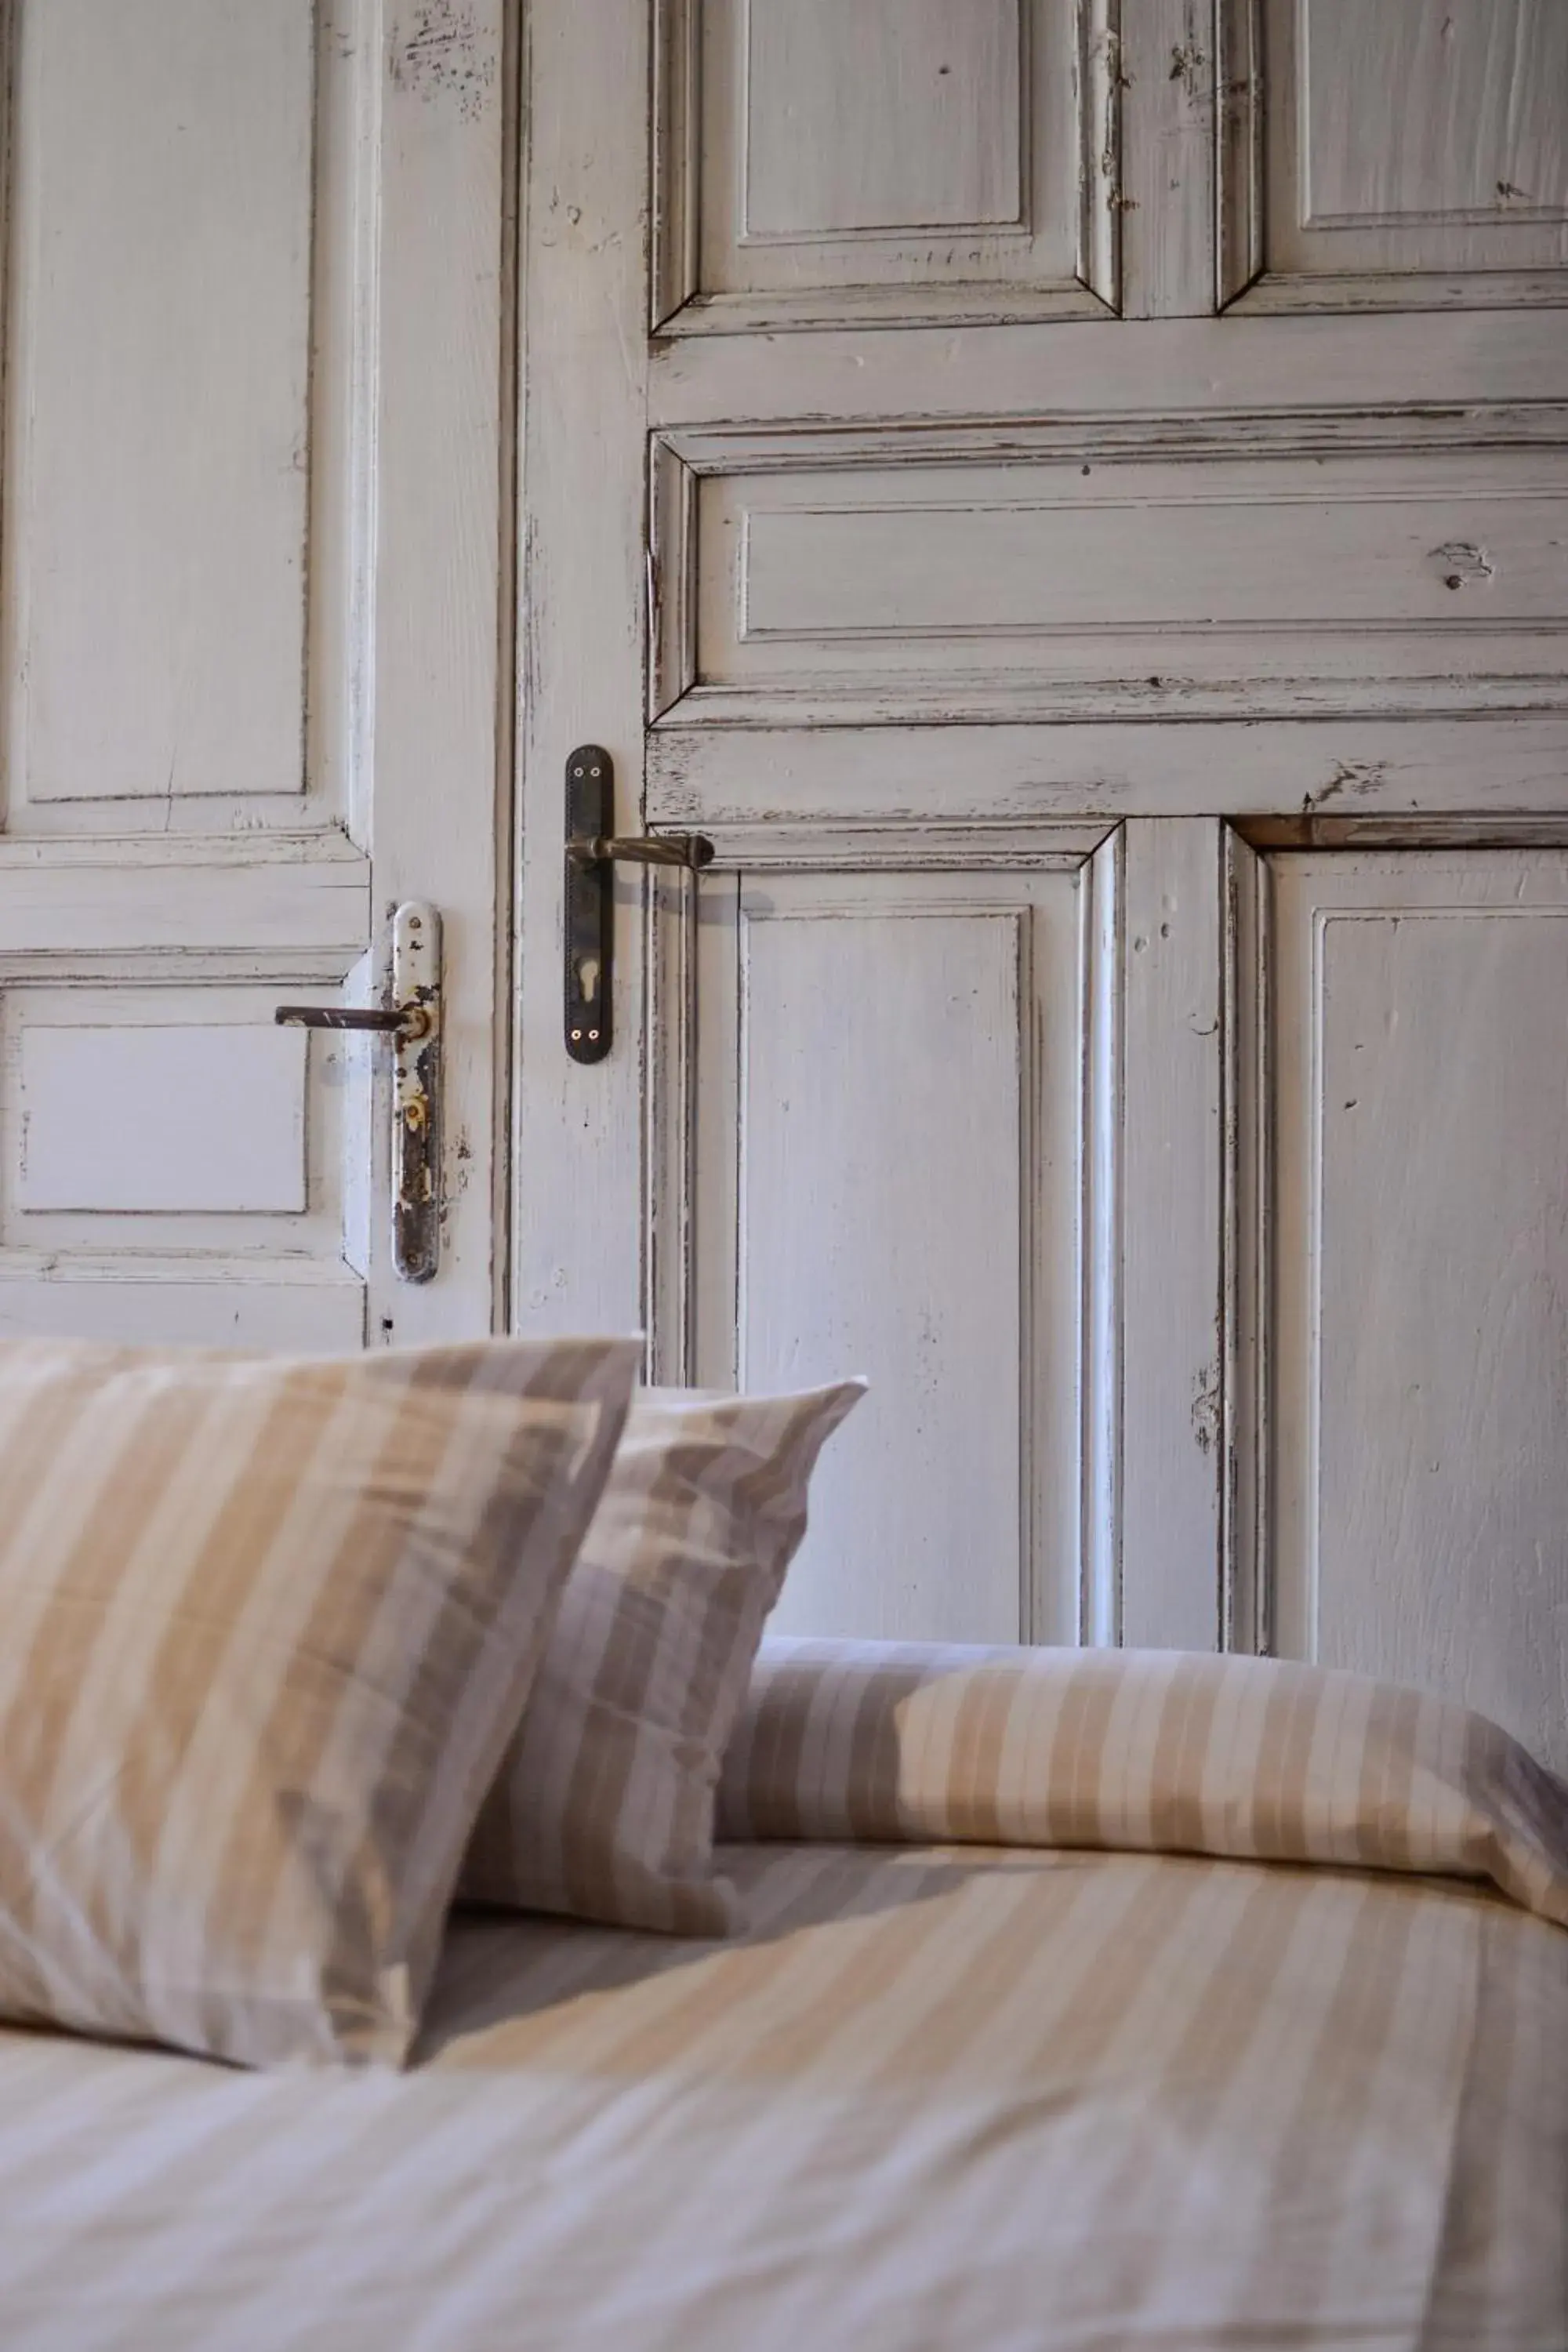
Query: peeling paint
x=441 y=57
x=1187 y=62
x=1206 y=1408
x=1462 y=562
x=1358 y=777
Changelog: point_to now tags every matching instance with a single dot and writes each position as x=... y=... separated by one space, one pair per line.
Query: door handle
x=413 y=1021
x=343 y=1016
x=691 y=849
x=594 y=849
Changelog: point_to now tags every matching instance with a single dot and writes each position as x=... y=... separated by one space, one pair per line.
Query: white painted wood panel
x=577 y=1242
x=1419 y=1388
x=888 y=1178
x=436 y=798
x=934 y=776
x=896 y=114
x=160 y=332
x=287 y=903
x=1480 y=100
x=169 y=1121
x=1167 y=57
x=982 y=588
x=935 y=160
x=1412 y=153
x=191 y=1119
x=1171 y=1357
x=177 y=1302
x=1149 y=372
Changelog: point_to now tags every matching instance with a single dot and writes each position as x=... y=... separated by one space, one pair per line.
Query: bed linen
x=602 y=1809
x=934 y=2096
x=265 y=1627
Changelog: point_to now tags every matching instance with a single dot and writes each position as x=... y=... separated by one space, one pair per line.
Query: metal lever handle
x=412 y=1022
x=690 y=849
x=408 y=1021
x=592 y=849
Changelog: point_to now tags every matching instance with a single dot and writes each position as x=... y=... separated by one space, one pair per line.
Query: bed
x=957 y=2092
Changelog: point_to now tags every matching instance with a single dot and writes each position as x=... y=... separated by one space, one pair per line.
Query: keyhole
x=588 y=978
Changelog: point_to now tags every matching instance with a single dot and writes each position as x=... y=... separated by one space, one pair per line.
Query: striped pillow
x=264 y=1630
x=1153 y=1750
x=603 y=1809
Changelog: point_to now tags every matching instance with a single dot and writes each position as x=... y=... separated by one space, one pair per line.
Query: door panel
x=159 y=343
x=230 y=1097
x=889 y=1177
x=1090 y=580
x=1412 y=153
x=252 y=614
x=1420 y=1368
x=802 y=184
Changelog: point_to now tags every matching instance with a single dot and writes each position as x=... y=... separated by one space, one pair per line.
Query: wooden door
x=252 y=571
x=1029 y=442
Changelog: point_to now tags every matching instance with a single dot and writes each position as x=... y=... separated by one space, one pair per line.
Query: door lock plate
x=416 y=1091
x=594 y=849
x=589 y=929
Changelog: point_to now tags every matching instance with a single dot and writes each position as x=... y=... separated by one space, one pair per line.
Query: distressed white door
x=252 y=603
x=973 y=454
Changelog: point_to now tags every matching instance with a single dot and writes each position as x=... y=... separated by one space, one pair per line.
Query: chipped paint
x=1462 y=562
x=439 y=54
x=1357 y=778
x=1206 y=1408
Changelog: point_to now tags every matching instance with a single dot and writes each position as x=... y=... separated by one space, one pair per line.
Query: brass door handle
x=593 y=850
x=691 y=849
x=412 y=1022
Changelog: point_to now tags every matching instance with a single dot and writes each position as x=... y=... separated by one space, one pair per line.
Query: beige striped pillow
x=1156 y=1750
x=603 y=1809
x=264 y=1630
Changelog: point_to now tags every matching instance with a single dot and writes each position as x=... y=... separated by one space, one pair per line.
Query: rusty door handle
x=412 y=1022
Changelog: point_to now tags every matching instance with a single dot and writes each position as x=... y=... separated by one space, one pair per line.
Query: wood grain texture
x=1413 y=363
x=898 y=114
x=887 y=1177
x=1045 y=588
x=1419 y=1405
x=1411 y=155
x=578 y=1253
x=1169 y=161
x=1504 y=764
x=277 y=903
x=935 y=161
x=1173 y=1405
x=438 y=683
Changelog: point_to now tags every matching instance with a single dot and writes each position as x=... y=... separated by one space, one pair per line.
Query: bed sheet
x=1001 y=2100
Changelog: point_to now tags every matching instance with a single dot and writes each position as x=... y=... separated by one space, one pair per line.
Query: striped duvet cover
x=976 y=2094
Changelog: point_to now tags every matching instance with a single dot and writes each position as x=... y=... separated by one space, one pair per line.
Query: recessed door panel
x=887 y=1179
x=898 y=160
x=1420 y=1404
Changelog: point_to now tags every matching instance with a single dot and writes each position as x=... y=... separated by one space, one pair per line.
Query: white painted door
x=1031 y=440
x=252 y=605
